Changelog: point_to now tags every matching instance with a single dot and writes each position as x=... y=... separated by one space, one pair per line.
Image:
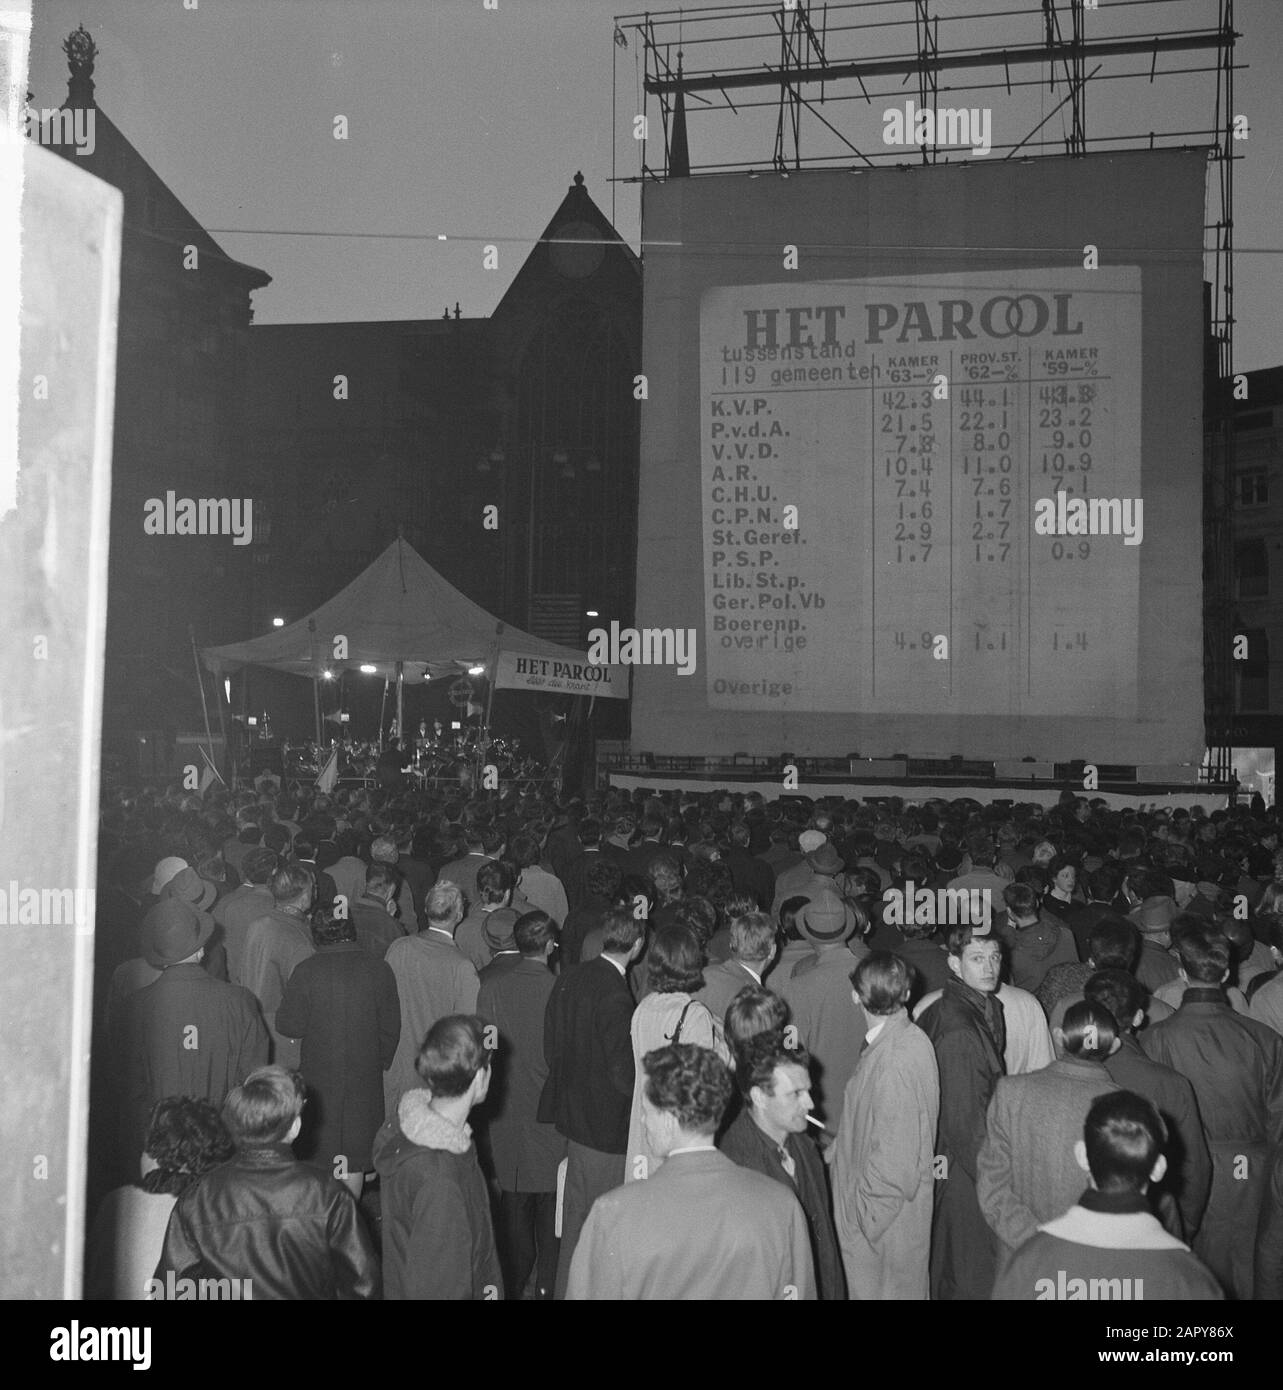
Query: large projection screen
x=843 y=463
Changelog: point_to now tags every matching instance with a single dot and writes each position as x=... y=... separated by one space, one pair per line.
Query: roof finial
x=579 y=180
x=81 y=51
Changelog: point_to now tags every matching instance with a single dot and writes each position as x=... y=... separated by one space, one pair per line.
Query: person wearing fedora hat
x=831 y=1025
x=132 y=975
x=186 y=1033
x=188 y=886
x=1154 y=917
x=820 y=868
x=500 y=937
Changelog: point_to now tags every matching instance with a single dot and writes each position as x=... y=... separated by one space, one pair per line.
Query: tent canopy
x=399 y=609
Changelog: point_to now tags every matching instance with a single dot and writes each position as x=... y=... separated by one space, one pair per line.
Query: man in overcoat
x=341 y=1003
x=524 y=1153
x=883 y=1188
x=966 y=1028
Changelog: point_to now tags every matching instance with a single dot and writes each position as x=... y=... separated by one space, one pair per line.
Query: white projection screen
x=843 y=463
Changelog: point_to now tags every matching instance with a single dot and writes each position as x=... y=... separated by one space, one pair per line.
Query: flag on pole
x=329 y=774
x=209 y=775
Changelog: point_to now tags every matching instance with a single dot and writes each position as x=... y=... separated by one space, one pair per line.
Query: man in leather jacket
x=283 y=1229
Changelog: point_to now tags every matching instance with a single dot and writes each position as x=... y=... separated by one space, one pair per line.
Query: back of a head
x=1204 y=955
x=754 y=1011
x=752 y=937
x=381 y=880
x=1113 y=943
x=1119 y=991
x=1124 y=1136
x=525 y=850
x=185 y=1138
x=980 y=848
x=534 y=931
x=1103 y=883
x=444 y=903
x=263 y=1108
x=676 y=961
x=882 y=981
x=603 y=879
x=290 y=882
x=1020 y=899
x=699 y=915
x=494 y=881
x=452 y=1054
x=665 y=873
x=1090 y=1031
x=690 y=1083
x=621 y=931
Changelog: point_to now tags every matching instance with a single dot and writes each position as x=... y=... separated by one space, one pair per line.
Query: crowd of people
x=412 y=1044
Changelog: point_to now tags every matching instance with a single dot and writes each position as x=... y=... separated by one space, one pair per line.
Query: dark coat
x=582 y=918
x=1036 y=949
x=749 y=874
x=438 y=1240
x=1235 y=1065
x=342 y=1004
x=185 y=1034
x=574 y=879
x=420 y=875
x=745 y=1144
x=1189 y=1165
x=264 y=1216
x=722 y=982
x=929 y=962
x=1155 y=966
x=589 y=1050
x=376 y=928
x=525 y=1153
x=963 y=1248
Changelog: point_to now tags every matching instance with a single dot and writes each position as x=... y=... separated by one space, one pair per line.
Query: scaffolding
x=826 y=71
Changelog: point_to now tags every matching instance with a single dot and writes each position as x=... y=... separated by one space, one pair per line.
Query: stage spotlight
x=278 y=622
x=327 y=675
x=476 y=670
x=590 y=613
x=368 y=669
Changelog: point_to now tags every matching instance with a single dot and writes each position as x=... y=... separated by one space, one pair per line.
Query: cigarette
x=811 y=1120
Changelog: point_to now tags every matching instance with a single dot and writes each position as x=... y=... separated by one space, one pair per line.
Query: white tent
x=399 y=610
x=400 y=619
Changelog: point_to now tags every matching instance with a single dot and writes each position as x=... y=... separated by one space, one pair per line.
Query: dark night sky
x=473 y=122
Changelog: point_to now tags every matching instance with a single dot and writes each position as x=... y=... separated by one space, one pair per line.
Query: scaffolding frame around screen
x=786 y=49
